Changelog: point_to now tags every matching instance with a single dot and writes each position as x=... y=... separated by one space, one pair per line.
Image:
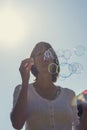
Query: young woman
x=42 y=105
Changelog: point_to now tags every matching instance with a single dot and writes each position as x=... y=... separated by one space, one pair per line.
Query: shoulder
x=16 y=91
x=19 y=87
x=69 y=92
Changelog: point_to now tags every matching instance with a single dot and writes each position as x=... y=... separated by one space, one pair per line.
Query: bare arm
x=18 y=114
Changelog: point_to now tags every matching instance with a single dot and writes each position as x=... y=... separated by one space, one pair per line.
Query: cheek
x=39 y=60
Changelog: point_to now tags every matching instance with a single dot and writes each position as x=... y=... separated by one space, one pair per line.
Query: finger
x=32 y=61
x=28 y=67
x=28 y=61
x=25 y=61
x=26 y=64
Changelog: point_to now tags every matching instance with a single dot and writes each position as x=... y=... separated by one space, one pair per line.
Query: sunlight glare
x=13 y=27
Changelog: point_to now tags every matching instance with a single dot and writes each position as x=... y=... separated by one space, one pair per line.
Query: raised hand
x=25 y=68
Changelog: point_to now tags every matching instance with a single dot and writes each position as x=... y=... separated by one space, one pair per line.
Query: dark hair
x=34 y=70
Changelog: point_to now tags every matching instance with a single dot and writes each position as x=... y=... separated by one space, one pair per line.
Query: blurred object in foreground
x=82 y=102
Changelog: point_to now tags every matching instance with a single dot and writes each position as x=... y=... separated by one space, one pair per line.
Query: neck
x=44 y=81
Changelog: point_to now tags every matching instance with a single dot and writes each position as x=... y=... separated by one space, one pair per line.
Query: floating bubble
x=62 y=78
x=62 y=60
x=79 y=50
x=65 y=72
x=64 y=55
x=67 y=54
x=66 y=68
x=49 y=54
x=76 y=68
x=60 y=53
x=53 y=68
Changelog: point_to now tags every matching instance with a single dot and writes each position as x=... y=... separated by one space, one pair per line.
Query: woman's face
x=42 y=58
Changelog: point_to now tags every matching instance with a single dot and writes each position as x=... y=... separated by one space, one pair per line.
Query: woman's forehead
x=40 y=47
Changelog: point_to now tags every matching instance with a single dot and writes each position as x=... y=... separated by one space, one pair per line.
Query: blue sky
x=23 y=23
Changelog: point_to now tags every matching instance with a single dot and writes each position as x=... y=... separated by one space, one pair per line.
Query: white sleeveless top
x=43 y=114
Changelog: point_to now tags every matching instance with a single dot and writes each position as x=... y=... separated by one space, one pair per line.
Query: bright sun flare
x=12 y=27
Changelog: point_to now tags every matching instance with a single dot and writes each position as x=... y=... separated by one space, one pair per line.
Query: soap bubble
x=79 y=50
x=65 y=72
x=76 y=68
x=67 y=54
x=53 y=68
x=49 y=54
